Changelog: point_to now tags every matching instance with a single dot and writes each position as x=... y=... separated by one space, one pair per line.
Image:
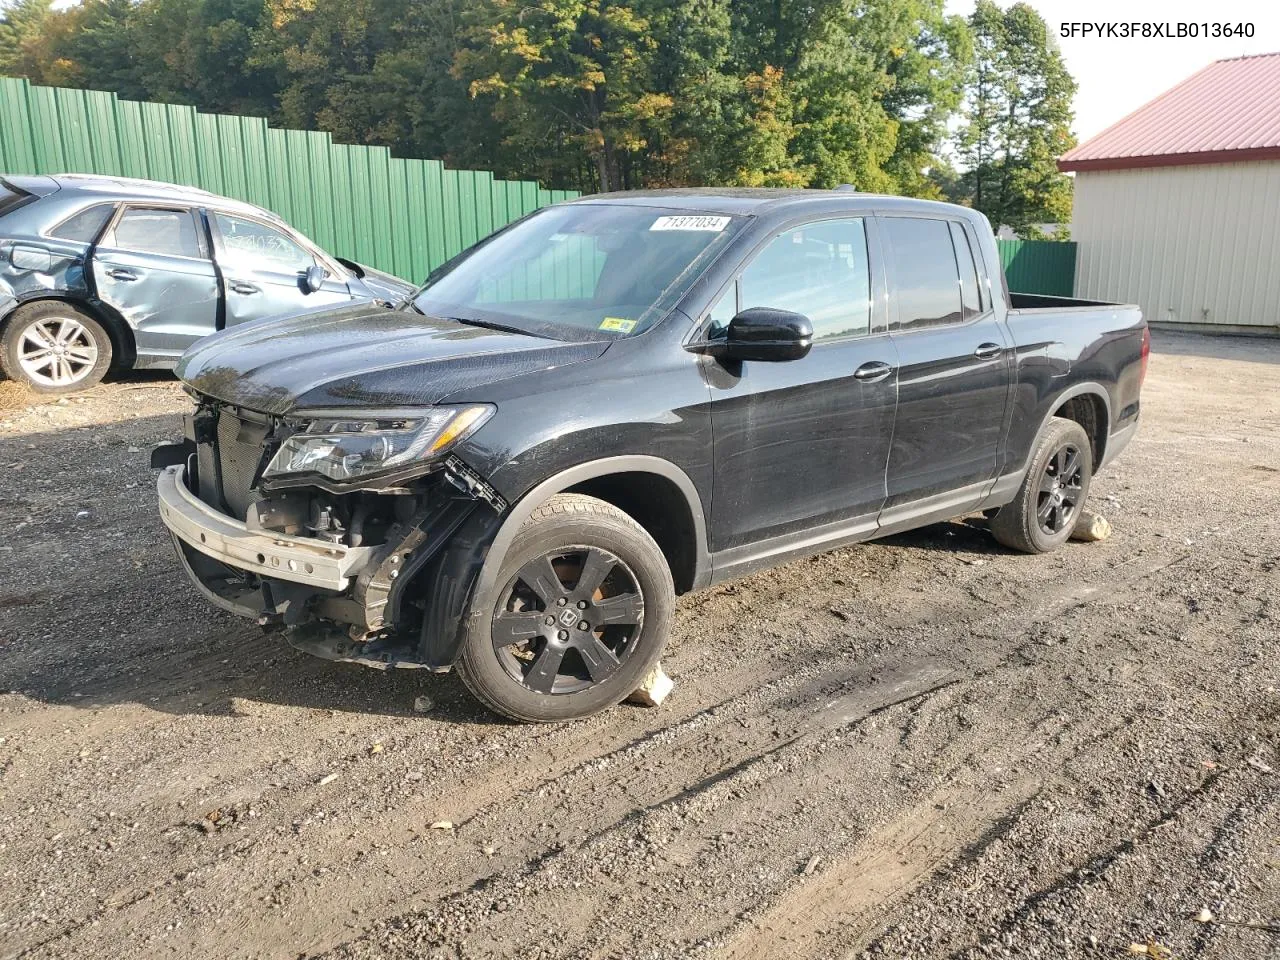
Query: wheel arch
x=654 y=492
x=1088 y=405
x=124 y=348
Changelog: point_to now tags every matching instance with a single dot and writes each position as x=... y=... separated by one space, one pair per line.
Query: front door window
x=250 y=245
x=819 y=270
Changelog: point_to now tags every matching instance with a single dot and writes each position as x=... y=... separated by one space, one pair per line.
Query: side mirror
x=763 y=333
x=314 y=278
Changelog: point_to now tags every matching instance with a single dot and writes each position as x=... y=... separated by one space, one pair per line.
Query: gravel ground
x=924 y=747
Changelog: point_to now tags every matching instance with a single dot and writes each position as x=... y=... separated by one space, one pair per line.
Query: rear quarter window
x=84 y=226
x=11 y=198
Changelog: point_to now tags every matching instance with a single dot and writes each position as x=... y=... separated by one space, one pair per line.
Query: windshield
x=580 y=271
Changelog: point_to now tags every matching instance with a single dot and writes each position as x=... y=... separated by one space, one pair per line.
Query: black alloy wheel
x=568 y=619
x=1053 y=492
x=1061 y=490
x=577 y=616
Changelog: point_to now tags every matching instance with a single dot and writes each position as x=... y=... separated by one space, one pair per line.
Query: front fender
x=591 y=470
x=468 y=567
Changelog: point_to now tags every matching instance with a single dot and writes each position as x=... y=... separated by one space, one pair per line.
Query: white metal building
x=1177 y=206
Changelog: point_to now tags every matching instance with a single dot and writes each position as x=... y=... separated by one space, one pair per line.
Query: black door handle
x=873 y=371
x=119 y=274
x=986 y=351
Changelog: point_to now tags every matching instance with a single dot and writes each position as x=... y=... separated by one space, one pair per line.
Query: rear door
x=954 y=371
x=803 y=443
x=264 y=270
x=152 y=265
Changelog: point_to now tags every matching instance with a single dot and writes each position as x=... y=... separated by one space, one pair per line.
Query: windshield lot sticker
x=711 y=224
x=617 y=325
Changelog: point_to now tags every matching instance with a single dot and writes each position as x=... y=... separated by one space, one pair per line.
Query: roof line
x=1133 y=113
x=1249 y=56
x=1170 y=159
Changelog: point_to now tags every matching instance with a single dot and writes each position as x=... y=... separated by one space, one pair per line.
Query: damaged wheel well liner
x=657 y=504
x=655 y=493
x=1090 y=411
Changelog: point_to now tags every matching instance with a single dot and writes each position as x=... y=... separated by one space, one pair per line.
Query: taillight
x=1146 y=354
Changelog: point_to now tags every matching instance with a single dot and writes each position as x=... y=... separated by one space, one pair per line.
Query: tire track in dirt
x=615 y=797
x=816 y=725
x=855 y=891
x=586 y=785
x=754 y=799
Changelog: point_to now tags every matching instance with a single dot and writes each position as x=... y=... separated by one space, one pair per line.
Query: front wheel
x=1043 y=514
x=579 y=615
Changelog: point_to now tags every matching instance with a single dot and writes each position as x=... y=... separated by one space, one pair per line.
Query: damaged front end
x=359 y=536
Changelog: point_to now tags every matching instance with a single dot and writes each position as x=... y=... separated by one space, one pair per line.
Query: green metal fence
x=1046 y=267
x=402 y=216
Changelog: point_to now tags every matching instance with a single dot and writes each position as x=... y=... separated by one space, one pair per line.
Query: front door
x=264 y=271
x=804 y=443
x=954 y=373
x=152 y=266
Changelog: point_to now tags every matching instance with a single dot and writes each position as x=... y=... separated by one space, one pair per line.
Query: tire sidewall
x=24 y=317
x=480 y=663
x=1060 y=432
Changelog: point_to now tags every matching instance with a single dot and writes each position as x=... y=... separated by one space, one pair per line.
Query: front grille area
x=230 y=463
x=239 y=452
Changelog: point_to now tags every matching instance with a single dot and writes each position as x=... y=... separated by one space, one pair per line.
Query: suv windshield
x=581 y=271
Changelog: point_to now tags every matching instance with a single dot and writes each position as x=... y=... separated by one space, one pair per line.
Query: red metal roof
x=1228 y=111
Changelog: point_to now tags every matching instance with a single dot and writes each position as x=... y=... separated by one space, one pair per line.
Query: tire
x=511 y=650
x=54 y=348
x=1034 y=522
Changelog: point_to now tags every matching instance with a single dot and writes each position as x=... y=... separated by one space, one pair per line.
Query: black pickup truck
x=621 y=399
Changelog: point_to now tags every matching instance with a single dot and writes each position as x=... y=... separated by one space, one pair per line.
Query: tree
x=1018 y=106
x=589 y=94
x=22 y=37
x=577 y=73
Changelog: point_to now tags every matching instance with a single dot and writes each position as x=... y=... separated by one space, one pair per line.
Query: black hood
x=362 y=357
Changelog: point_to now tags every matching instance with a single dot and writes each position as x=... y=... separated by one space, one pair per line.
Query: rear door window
x=84 y=226
x=166 y=232
x=926 y=279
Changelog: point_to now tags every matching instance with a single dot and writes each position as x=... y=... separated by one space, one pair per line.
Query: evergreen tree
x=1018 y=121
x=24 y=37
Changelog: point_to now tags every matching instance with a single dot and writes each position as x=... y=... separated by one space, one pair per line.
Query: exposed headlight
x=351 y=448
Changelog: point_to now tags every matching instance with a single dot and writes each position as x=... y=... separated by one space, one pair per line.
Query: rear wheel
x=579 y=615
x=1043 y=514
x=54 y=348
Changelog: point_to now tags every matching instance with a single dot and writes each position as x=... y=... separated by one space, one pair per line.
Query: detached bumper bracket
x=304 y=560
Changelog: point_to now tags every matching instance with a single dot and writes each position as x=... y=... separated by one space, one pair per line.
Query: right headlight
x=346 y=449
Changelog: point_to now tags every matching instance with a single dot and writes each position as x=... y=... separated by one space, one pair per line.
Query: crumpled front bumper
x=335 y=601
x=303 y=560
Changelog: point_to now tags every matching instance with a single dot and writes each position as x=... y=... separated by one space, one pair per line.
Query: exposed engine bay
x=403 y=539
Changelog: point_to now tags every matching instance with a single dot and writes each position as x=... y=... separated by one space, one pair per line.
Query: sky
x=1116 y=76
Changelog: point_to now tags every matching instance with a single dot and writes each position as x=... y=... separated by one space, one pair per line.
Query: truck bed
x=1036 y=301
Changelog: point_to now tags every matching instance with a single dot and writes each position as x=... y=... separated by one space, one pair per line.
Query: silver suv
x=97 y=272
